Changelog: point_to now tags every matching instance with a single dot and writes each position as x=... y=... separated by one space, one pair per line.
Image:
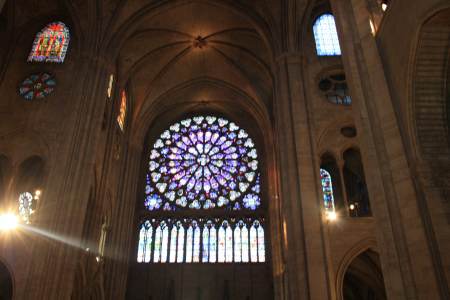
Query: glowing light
x=384 y=6
x=372 y=28
x=352 y=206
x=8 y=221
x=331 y=216
x=37 y=192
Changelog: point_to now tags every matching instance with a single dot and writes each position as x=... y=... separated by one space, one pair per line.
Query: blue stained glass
x=325 y=35
x=231 y=242
x=327 y=189
x=202 y=162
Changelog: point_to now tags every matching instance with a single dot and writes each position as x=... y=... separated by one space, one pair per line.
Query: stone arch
x=7 y=283
x=430 y=87
x=354 y=252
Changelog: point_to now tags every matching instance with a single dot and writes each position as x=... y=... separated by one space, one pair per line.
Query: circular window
x=37 y=86
x=335 y=89
x=203 y=162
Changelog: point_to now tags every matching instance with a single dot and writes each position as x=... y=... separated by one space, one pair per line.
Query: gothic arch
x=7 y=281
x=355 y=251
x=430 y=87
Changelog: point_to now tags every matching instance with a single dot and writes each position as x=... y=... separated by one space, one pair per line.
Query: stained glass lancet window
x=327 y=188
x=203 y=163
x=50 y=44
x=325 y=35
x=122 y=110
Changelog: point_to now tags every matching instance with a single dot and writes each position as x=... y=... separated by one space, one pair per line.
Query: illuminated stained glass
x=196 y=250
x=110 y=86
x=244 y=234
x=232 y=241
x=205 y=244
x=37 y=86
x=261 y=243
x=123 y=110
x=25 y=206
x=203 y=162
x=253 y=244
x=180 y=251
x=237 y=244
x=327 y=188
x=189 y=241
x=145 y=242
x=50 y=44
x=173 y=245
x=222 y=241
x=326 y=37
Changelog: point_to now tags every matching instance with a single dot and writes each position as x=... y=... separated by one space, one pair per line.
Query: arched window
x=325 y=35
x=327 y=188
x=202 y=196
x=50 y=44
x=122 y=110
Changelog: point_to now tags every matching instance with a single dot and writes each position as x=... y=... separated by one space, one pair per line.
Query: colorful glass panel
x=122 y=111
x=203 y=162
x=189 y=241
x=244 y=232
x=222 y=241
x=237 y=244
x=50 y=44
x=196 y=250
x=326 y=37
x=37 y=86
x=231 y=242
x=327 y=189
x=145 y=242
x=173 y=245
x=180 y=251
x=253 y=244
x=261 y=243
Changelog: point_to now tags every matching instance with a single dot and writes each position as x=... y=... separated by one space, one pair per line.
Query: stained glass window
x=327 y=188
x=50 y=44
x=37 y=86
x=203 y=163
x=110 y=86
x=206 y=241
x=25 y=206
x=123 y=110
x=325 y=35
x=335 y=89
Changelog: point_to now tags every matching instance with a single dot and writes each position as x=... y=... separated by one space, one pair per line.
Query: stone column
x=406 y=252
x=306 y=263
x=340 y=163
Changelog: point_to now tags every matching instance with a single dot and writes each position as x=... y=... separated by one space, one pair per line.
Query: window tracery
x=50 y=44
x=202 y=164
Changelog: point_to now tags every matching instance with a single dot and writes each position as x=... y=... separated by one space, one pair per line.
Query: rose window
x=203 y=162
x=37 y=86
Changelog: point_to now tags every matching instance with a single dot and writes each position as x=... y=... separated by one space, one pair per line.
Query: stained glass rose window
x=37 y=86
x=203 y=162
